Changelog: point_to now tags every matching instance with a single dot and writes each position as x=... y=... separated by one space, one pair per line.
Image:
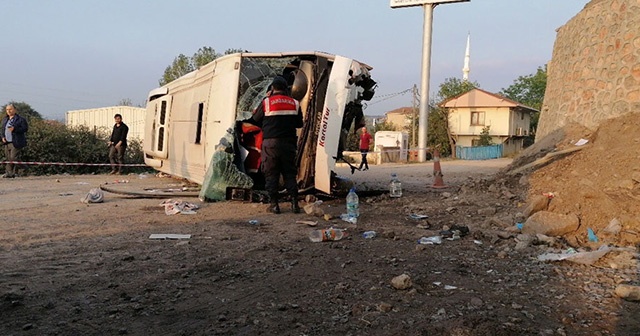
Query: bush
x=52 y=141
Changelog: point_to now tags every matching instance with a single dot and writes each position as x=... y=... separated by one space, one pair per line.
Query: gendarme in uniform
x=279 y=115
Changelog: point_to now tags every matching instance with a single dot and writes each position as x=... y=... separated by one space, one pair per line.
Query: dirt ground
x=69 y=268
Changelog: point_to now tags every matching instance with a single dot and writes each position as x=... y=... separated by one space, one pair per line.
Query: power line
x=382 y=98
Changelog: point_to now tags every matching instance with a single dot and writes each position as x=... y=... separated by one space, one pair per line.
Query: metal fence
x=479 y=152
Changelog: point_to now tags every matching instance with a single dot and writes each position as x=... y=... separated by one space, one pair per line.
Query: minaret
x=467 y=57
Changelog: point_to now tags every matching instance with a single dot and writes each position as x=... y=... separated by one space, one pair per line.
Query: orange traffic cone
x=438 y=182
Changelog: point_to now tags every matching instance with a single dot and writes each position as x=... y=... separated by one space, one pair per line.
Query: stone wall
x=594 y=73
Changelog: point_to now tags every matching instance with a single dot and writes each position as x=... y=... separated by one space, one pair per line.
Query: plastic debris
x=430 y=240
x=330 y=234
x=519 y=226
x=95 y=195
x=254 y=222
x=172 y=207
x=169 y=236
x=369 y=234
x=447 y=287
x=309 y=223
x=585 y=258
x=592 y=236
x=417 y=216
x=349 y=219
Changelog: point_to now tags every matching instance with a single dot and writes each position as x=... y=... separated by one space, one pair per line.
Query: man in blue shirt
x=14 y=138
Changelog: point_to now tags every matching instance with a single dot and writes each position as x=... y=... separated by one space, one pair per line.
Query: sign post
x=428 y=6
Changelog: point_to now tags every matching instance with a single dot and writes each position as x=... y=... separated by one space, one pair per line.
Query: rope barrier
x=72 y=164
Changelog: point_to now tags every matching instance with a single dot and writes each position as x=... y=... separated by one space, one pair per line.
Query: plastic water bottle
x=395 y=186
x=369 y=234
x=353 y=204
x=330 y=234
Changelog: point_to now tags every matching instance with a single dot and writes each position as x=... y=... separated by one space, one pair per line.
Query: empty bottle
x=369 y=234
x=395 y=186
x=353 y=204
x=330 y=234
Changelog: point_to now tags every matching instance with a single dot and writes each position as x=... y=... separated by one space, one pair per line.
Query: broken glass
x=223 y=172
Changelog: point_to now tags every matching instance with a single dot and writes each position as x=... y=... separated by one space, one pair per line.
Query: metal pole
x=424 y=83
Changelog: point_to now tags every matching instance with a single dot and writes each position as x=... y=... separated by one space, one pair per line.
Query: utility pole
x=414 y=116
x=428 y=6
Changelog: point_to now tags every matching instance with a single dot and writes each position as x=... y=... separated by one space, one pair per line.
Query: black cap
x=279 y=83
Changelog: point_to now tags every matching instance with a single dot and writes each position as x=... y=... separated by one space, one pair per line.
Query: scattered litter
x=169 y=236
x=121 y=181
x=581 y=142
x=425 y=227
x=309 y=223
x=330 y=234
x=172 y=207
x=477 y=242
x=142 y=176
x=95 y=195
x=417 y=216
x=369 y=234
x=314 y=209
x=350 y=219
x=254 y=222
x=437 y=283
x=549 y=195
x=327 y=217
x=519 y=226
x=430 y=240
x=592 y=236
x=65 y=194
x=586 y=258
x=614 y=227
x=81 y=183
x=447 y=287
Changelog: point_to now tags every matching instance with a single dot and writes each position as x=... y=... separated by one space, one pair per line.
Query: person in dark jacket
x=117 y=144
x=14 y=138
x=279 y=115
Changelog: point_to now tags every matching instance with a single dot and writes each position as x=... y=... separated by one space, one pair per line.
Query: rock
x=384 y=307
x=401 y=282
x=505 y=235
x=521 y=245
x=446 y=194
x=545 y=239
x=628 y=292
x=613 y=228
x=551 y=224
x=627 y=184
x=487 y=211
x=502 y=254
x=536 y=203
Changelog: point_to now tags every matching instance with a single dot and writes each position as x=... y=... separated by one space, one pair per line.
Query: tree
x=125 y=102
x=529 y=91
x=23 y=109
x=182 y=64
x=439 y=130
x=485 y=137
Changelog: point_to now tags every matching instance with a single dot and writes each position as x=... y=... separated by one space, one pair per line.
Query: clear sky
x=68 y=54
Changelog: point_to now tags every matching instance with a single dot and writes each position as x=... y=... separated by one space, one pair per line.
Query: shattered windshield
x=256 y=73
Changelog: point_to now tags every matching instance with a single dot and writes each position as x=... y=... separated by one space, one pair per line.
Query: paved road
x=419 y=175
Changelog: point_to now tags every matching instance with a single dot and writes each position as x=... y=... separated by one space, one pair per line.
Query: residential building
x=401 y=117
x=471 y=112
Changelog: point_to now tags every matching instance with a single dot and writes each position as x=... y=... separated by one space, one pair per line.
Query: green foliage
x=485 y=137
x=384 y=126
x=52 y=141
x=182 y=64
x=23 y=109
x=529 y=91
x=438 y=128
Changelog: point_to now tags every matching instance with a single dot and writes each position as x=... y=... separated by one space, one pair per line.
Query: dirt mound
x=599 y=183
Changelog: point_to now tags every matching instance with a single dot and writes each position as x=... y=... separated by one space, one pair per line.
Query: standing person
x=117 y=144
x=279 y=115
x=365 y=143
x=14 y=138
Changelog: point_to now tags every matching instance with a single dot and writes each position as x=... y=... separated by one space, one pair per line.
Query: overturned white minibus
x=194 y=126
